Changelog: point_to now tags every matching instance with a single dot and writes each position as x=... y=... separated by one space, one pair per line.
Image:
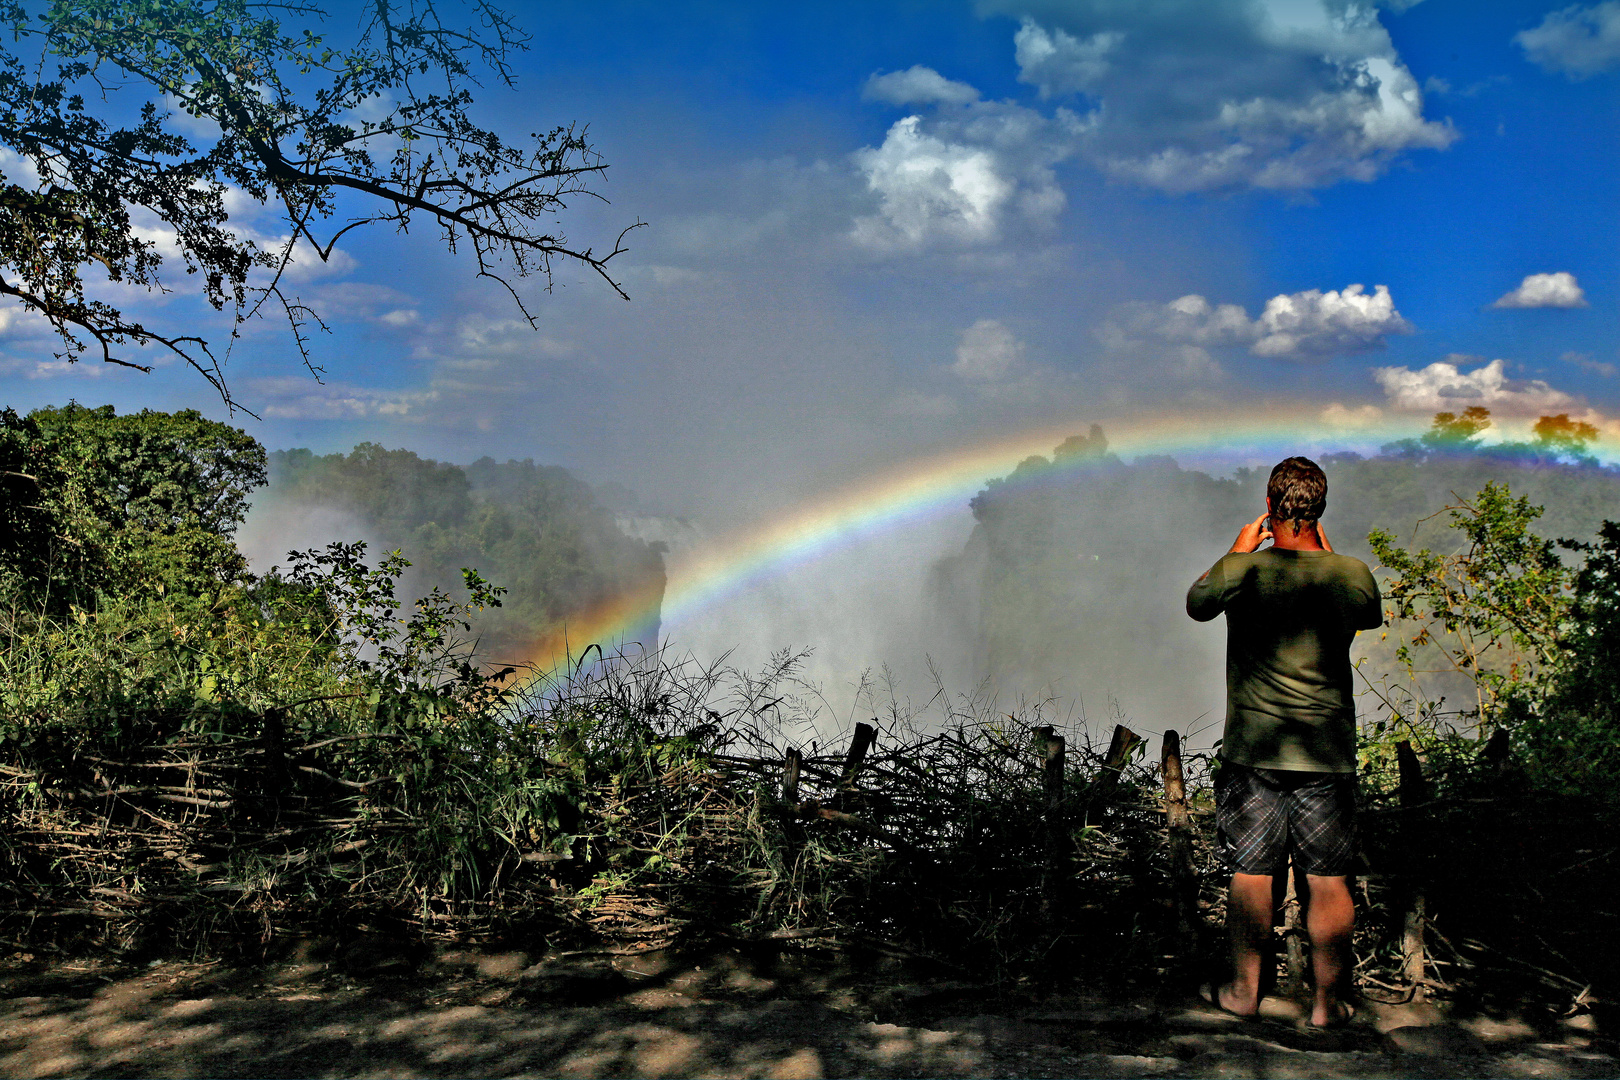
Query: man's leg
x=1248 y=926
x=1330 y=919
x=1251 y=836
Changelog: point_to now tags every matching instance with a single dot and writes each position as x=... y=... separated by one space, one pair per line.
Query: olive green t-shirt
x=1290 y=618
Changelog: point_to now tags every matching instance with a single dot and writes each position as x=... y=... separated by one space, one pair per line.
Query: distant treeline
x=97 y=506
x=537 y=530
x=1076 y=569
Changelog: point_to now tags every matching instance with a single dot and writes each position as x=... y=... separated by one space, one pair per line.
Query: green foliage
x=1537 y=636
x=537 y=529
x=1494 y=610
x=1561 y=435
x=284 y=100
x=1451 y=432
x=99 y=504
x=1574 y=729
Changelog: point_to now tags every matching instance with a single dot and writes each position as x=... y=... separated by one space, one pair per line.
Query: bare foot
x=1228 y=999
x=1332 y=1014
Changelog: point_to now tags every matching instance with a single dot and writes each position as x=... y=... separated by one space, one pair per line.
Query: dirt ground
x=369 y=1012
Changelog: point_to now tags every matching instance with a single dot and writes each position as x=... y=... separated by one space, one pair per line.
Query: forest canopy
x=537 y=530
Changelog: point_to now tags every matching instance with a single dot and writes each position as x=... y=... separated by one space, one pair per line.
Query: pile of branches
x=644 y=804
x=1490 y=881
x=634 y=805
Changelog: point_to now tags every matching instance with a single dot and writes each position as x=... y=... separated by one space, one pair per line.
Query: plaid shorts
x=1264 y=815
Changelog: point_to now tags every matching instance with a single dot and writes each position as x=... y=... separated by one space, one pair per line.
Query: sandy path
x=496 y=1015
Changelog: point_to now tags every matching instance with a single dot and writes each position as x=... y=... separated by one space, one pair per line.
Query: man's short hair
x=1297 y=490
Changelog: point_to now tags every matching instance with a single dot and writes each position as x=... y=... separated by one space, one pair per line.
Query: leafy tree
x=538 y=530
x=1576 y=729
x=1561 y=435
x=1451 y=432
x=1496 y=610
x=119 y=503
x=288 y=104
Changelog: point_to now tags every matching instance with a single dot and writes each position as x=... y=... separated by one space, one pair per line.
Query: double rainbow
x=943 y=483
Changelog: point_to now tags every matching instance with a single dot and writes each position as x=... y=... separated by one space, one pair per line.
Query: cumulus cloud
x=1317 y=324
x=1558 y=290
x=1306 y=325
x=988 y=352
x=926 y=184
x=963 y=173
x=1057 y=62
x=1577 y=41
x=1278 y=94
x=1444 y=387
x=918 y=85
x=17 y=321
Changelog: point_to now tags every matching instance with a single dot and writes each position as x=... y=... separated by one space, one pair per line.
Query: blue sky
x=879 y=229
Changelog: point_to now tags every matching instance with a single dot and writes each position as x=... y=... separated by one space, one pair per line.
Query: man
x=1286 y=780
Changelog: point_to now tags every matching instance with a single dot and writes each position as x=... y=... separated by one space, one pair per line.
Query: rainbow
x=943 y=483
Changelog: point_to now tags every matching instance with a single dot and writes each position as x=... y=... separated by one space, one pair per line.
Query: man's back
x=1291 y=615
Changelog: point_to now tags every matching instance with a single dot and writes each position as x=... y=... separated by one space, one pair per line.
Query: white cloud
x=988 y=352
x=1281 y=94
x=302 y=398
x=918 y=85
x=926 y=185
x=1444 y=387
x=16 y=169
x=964 y=173
x=479 y=335
x=1293 y=326
x=1578 y=41
x=1058 y=62
x=201 y=128
x=1558 y=290
x=1585 y=362
x=304 y=263
x=17 y=321
x=1193 y=318
x=1315 y=323
x=360 y=301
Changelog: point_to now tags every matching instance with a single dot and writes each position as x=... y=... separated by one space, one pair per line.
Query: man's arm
x=1208 y=595
x=1369 y=613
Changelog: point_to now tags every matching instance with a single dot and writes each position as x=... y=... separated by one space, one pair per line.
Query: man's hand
x=1251 y=536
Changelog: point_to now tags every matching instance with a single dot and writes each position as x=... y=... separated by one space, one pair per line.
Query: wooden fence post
x=1495 y=753
x=1053 y=750
x=1178 y=827
x=791 y=765
x=1119 y=752
x=788 y=809
x=858 y=746
x=1294 y=932
x=1414 y=792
